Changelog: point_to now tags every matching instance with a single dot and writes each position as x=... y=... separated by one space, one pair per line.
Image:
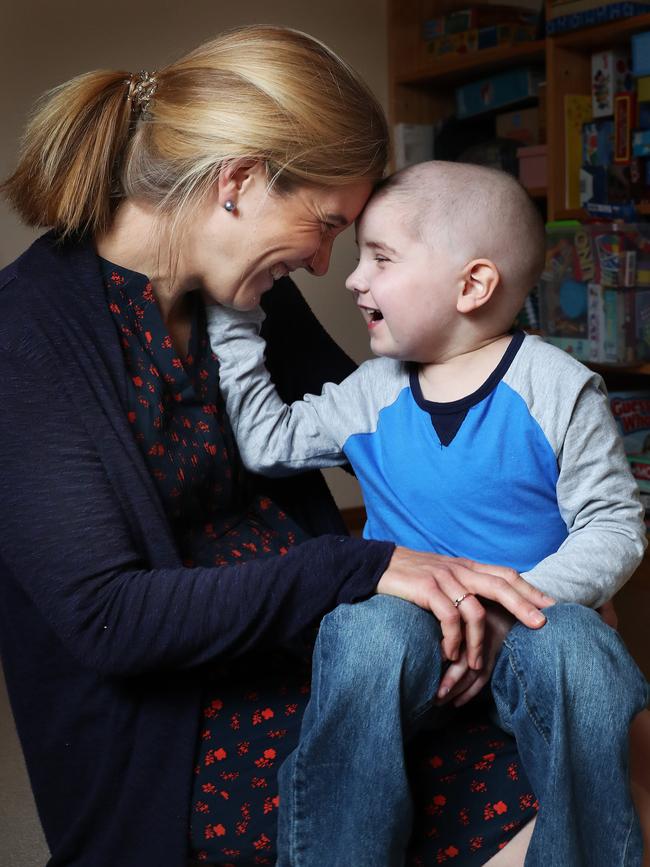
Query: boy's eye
x=379 y=258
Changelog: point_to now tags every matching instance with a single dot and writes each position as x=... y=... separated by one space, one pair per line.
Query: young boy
x=471 y=441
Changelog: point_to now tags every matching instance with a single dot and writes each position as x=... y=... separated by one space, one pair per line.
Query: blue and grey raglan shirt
x=527 y=472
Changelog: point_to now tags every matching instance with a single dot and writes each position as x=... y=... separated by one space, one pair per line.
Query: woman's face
x=236 y=256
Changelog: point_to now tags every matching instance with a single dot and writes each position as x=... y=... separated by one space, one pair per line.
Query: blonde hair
x=262 y=92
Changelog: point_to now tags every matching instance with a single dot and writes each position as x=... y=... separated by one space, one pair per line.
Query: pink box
x=532 y=166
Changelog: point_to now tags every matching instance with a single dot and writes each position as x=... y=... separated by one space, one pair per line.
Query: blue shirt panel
x=489 y=495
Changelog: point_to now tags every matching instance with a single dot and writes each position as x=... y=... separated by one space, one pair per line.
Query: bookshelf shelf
x=422 y=87
x=603 y=36
x=453 y=69
x=622 y=369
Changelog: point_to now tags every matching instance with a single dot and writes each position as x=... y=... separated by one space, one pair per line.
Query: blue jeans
x=567 y=692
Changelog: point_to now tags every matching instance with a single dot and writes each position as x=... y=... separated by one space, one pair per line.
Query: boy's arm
x=300 y=355
x=599 y=501
x=274 y=438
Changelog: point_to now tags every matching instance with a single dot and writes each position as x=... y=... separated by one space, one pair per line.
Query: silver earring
x=229 y=206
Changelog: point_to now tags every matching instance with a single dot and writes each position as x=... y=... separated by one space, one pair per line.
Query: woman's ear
x=479 y=281
x=235 y=178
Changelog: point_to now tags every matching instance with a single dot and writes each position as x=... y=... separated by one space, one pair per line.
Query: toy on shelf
x=610 y=74
x=563 y=17
x=594 y=295
x=498 y=90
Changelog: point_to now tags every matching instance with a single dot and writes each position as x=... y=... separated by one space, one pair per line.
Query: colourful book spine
x=575 y=346
x=592 y=17
x=596 y=322
x=577 y=111
x=629 y=326
x=611 y=341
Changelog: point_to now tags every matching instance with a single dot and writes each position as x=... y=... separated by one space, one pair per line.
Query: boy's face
x=406 y=289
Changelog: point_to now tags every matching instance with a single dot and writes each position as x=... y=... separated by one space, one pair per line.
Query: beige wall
x=44 y=43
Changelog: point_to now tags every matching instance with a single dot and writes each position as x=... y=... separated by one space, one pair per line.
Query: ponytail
x=72 y=149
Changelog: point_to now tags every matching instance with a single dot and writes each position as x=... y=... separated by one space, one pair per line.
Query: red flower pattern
x=190 y=451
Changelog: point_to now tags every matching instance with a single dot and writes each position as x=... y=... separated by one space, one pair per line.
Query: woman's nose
x=320 y=261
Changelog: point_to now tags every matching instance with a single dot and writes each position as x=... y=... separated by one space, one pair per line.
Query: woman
x=145 y=576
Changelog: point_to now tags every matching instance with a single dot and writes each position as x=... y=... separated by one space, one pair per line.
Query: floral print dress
x=471 y=795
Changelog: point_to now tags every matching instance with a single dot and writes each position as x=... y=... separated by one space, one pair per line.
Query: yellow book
x=577 y=110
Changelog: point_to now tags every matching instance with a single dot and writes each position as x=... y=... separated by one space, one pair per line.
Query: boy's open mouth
x=371 y=315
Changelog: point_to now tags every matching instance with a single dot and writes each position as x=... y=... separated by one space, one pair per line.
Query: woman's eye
x=381 y=259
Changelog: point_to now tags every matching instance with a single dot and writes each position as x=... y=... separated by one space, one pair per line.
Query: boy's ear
x=480 y=279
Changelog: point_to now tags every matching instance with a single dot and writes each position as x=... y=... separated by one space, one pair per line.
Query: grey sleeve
x=274 y=438
x=597 y=495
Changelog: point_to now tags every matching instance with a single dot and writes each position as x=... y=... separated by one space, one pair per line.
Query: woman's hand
x=461 y=683
x=435 y=582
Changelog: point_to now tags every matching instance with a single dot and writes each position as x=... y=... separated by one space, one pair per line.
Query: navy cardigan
x=104 y=634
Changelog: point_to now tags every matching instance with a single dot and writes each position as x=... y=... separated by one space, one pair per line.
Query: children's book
x=577 y=111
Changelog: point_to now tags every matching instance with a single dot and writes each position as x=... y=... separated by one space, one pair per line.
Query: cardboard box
x=608 y=192
x=533 y=172
x=413 y=143
x=643 y=88
x=563 y=8
x=641 y=143
x=641 y=53
x=521 y=126
x=469 y=41
x=643 y=115
x=610 y=74
x=496 y=91
x=598 y=143
x=631 y=409
x=486 y=15
x=577 y=112
x=575 y=16
x=624 y=122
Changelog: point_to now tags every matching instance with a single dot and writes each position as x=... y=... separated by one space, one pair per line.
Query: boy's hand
x=460 y=683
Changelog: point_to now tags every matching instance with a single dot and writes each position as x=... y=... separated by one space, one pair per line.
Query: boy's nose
x=355 y=283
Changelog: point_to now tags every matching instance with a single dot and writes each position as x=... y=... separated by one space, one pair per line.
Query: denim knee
x=373 y=644
x=579 y=655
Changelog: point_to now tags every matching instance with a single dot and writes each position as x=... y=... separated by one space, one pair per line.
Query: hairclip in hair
x=142 y=86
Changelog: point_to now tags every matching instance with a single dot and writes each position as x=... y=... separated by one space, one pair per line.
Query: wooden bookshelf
x=454 y=69
x=422 y=91
x=568 y=70
x=422 y=87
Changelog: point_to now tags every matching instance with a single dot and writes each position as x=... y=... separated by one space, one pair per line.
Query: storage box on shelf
x=572 y=71
x=567 y=15
x=594 y=295
x=533 y=167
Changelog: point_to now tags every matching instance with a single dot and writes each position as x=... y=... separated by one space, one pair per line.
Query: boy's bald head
x=473 y=212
